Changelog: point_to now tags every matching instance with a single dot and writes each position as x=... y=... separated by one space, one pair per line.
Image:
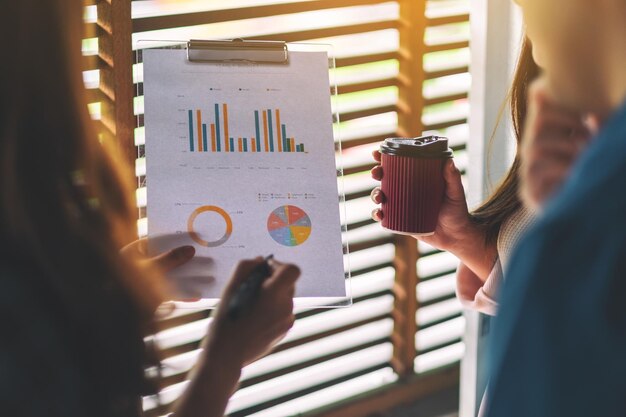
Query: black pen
x=247 y=291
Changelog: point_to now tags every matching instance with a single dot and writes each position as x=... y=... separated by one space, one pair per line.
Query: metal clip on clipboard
x=237 y=50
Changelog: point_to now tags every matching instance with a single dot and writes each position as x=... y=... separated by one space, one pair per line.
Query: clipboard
x=249 y=55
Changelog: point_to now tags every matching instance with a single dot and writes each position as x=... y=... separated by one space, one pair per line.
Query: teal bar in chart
x=204 y=137
x=191 y=130
x=218 y=146
x=286 y=143
x=258 y=131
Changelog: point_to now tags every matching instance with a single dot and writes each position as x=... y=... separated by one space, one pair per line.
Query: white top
x=484 y=299
x=510 y=233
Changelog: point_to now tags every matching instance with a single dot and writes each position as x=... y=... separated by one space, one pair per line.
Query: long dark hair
x=66 y=204
x=505 y=199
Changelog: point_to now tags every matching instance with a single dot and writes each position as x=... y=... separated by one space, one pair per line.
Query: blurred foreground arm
x=554 y=138
x=232 y=344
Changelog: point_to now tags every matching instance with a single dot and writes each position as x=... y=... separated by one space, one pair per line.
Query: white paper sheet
x=258 y=198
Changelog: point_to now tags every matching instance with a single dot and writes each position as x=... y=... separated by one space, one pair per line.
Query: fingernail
x=185 y=251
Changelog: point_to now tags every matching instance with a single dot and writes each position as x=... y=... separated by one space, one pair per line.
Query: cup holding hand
x=453 y=220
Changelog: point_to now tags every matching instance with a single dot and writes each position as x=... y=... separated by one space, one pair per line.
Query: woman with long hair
x=503 y=217
x=74 y=310
x=482 y=239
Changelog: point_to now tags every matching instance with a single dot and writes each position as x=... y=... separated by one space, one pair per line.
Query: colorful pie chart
x=289 y=225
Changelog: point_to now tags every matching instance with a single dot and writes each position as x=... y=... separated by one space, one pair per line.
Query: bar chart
x=266 y=134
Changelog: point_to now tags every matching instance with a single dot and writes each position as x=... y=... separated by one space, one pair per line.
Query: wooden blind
x=402 y=70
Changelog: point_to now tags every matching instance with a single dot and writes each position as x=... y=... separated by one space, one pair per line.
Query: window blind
x=402 y=70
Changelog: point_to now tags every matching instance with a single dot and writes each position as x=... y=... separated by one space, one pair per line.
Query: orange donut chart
x=196 y=237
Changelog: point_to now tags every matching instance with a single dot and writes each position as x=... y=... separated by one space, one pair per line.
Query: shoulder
x=564 y=294
x=565 y=281
x=512 y=229
x=34 y=357
x=588 y=215
x=579 y=242
x=582 y=231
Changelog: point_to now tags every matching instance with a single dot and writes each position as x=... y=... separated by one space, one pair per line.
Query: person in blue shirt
x=559 y=343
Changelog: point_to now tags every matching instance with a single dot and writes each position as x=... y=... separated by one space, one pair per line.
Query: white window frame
x=494 y=45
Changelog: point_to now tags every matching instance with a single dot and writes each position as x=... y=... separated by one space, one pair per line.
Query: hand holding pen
x=248 y=290
x=256 y=310
x=263 y=311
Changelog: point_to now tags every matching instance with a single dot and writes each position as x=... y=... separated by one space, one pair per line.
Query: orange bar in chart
x=225 y=109
x=213 y=143
x=280 y=139
x=267 y=143
x=293 y=144
x=253 y=145
x=199 y=120
x=240 y=145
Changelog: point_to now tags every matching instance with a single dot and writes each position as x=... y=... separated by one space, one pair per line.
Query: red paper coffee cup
x=413 y=183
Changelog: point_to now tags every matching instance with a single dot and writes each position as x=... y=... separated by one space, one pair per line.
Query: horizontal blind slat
x=169 y=21
x=366 y=140
x=330 y=32
x=346 y=61
x=447 y=19
x=447 y=46
x=369 y=85
x=429 y=75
